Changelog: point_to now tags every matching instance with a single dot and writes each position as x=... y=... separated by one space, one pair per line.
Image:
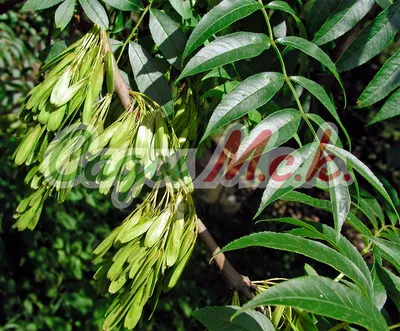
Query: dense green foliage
x=278 y=67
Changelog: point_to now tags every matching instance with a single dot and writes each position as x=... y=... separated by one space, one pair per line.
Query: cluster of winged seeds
x=149 y=251
x=78 y=133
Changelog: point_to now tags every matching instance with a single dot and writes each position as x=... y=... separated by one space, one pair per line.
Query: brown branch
x=121 y=88
x=235 y=280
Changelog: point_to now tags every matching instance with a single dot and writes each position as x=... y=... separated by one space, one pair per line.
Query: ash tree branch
x=234 y=280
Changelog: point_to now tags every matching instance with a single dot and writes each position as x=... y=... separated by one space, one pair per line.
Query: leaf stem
x=284 y=71
x=394 y=326
x=338 y=327
x=126 y=42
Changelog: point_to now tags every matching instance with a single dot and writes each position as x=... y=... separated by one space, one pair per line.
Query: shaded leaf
x=319 y=12
x=339 y=195
x=285 y=7
x=64 y=14
x=221 y=91
x=148 y=79
x=325 y=297
x=291 y=173
x=218 y=318
x=391 y=283
x=251 y=94
x=39 y=4
x=219 y=72
x=346 y=15
x=303 y=246
x=390 y=108
x=324 y=232
x=372 y=40
x=168 y=36
x=319 y=92
x=314 y=51
x=390 y=250
x=227 y=49
x=380 y=295
x=386 y=80
x=362 y=169
x=326 y=205
x=384 y=3
x=183 y=8
x=218 y=18
x=96 y=12
x=125 y=5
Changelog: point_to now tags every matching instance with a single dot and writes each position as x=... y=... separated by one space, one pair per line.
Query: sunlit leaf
x=218 y=18
x=251 y=94
x=227 y=49
x=303 y=246
x=324 y=297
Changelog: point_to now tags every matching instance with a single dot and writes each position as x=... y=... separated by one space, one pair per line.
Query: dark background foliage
x=46 y=275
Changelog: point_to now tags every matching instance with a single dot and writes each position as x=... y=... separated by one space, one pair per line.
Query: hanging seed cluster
x=149 y=252
x=76 y=126
x=68 y=97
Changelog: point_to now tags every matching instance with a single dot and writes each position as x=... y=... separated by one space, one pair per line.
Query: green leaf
x=362 y=169
x=386 y=80
x=389 y=249
x=390 y=109
x=218 y=18
x=368 y=211
x=149 y=80
x=339 y=195
x=324 y=232
x=372 y=40
x=326 y=205
x=294 y=170
x=227 y=49
x=343 y=19
x=285 y=7
x=221 y=91
x=384 y=3
x=218 y=318
x=325 y=297
x=391 y=283
x=380 y=295
x=306 y=247
x=318 y=91
x=183 y=8
x=64 y=13
x=219 y=72
x=168 y=36
x=125 y=5
x=96 y=12
x=319 y=13
x=39 y=4
x=314 y=51
x=251 y=94
x=271 y=132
